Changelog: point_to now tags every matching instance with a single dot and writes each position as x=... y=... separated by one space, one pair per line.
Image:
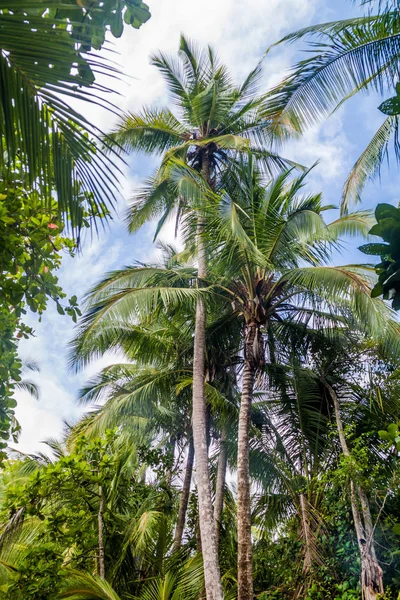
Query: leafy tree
x=87 y=511
x=30 y=253
x=265 y=234
x=388 y=270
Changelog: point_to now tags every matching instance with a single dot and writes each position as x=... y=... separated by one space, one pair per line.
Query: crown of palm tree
x=215 y=121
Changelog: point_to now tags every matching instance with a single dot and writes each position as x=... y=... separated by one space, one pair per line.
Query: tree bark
x=102 y=566
x=305 y=525
x=220 y=484
x=171 y=449
x=212 y=578
x=180 y=525
x=245 y=566
x=371 y=572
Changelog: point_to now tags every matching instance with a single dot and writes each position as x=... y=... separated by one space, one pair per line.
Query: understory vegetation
x=244 y=438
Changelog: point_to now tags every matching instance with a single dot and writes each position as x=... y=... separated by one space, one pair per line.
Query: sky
x=240 y=31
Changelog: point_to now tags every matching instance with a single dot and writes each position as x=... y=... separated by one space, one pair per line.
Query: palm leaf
x=47 y=141
x=80 y=586
x=369 y=162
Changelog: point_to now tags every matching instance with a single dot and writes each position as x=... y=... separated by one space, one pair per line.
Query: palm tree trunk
x=220 y=484
x=245 y=566
x=102 y=567
x=305 y=526
x=180 y=525
x=212 y=578
x=171 y=450
x=371 y=572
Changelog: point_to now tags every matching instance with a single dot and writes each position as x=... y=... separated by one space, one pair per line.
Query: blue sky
x=240 y=30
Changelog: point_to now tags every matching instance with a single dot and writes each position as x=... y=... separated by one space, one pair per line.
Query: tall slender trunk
x=305 y=526
x=180 y=525
x=171 y=450
x=245 y=561
x=102 y=566
x=371 y=572
x=220 y=484
x=212 y=578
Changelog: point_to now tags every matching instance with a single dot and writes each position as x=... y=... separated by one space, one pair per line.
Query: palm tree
x=337 y=375
x=261 y=237
x=352 y=56
x=257 y=237
x=182 y=579
x=334 y=368
x=289 y=450
x=215 y=122
x=154 y=385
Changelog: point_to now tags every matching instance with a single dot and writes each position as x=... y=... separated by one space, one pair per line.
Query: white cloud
x=239 y=30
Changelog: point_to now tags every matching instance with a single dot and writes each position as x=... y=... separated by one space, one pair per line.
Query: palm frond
x=362 y=55
x=80 y=586
x=152 y=131
x=44 y=139
x=369 y=162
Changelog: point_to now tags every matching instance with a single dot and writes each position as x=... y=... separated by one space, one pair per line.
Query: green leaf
x=396 y=529
x=386 y=211
x=391 y=106
x=128 y=17
x=375 y=249
x=377 y=290
x=376 y=230
x=117 y=24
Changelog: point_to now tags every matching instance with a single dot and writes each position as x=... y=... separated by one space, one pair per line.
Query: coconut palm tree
x=257 y=236
x=261 y=236
x=287 y=455
x=153 y=386
x=346 y=374
x=330 y=376
x=348 y=57
x=215 y=122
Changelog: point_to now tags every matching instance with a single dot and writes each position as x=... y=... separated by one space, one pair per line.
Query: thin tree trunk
x=180 y=525
x=171 y=448
x=305 y=524
x=371 y=572
x=102 y=566
x=220 y=484
x=212 y=578
x=245 y=566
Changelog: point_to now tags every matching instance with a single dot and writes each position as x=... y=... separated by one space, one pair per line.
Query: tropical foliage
x=54 y=176
x=387 y=227
x=243 y=440
x=345 y=58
